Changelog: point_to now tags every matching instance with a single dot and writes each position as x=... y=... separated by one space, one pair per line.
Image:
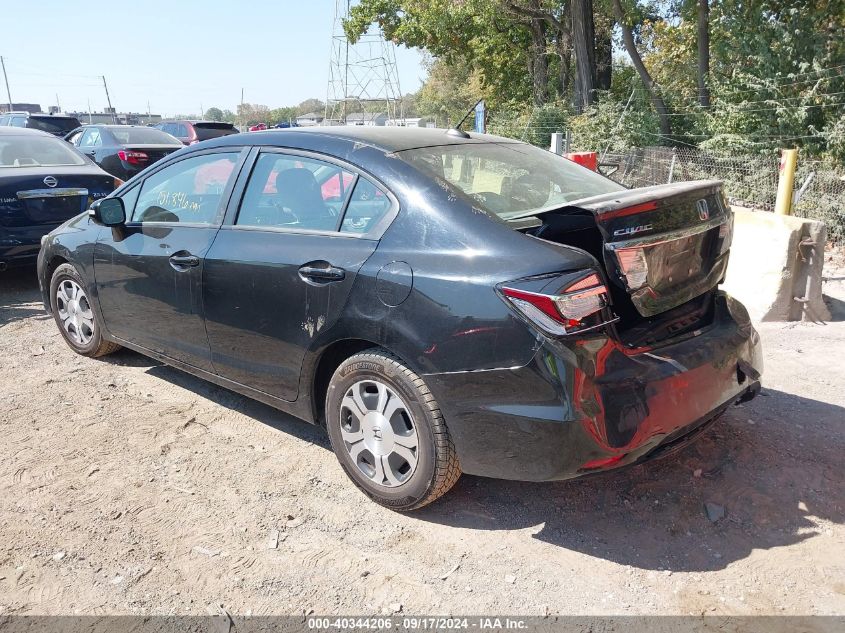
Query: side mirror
x=108 y=212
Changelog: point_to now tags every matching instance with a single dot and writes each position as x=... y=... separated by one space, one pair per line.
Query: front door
x=276 y=280
x=149 y=272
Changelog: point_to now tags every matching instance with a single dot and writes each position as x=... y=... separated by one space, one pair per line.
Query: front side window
x=189 y=191
x=295 y=192
x=509 y=179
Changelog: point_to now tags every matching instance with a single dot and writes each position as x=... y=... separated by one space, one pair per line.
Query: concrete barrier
x=775 y=266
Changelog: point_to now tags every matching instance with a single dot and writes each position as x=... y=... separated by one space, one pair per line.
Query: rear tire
x=75 y=316
x=387 y=432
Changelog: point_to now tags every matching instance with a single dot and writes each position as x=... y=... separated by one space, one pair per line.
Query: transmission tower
x=362 y=76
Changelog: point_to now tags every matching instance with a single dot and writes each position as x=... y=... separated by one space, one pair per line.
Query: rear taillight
x=133 y=158
x=565 y=311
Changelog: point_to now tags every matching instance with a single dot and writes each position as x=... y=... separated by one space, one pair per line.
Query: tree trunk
x=604 y=54
x=650 y=85
x=583 y=36
x=704 y=53
x=539 y=62
x=564 y=49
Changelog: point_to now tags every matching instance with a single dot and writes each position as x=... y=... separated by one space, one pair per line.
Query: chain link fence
x=750 y=181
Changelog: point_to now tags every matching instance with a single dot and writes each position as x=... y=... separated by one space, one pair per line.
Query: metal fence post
x=783 y=202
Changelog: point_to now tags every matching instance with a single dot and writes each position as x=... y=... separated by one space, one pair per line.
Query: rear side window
x=286 y=191
x=189 y=191
x=90 y=138
x=141 y=135
x=368 y=205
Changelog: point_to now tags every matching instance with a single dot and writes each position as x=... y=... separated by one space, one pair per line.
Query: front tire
x=387 y=432
x=75 y=316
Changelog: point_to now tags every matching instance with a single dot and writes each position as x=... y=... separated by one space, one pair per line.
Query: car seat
x=298 y=192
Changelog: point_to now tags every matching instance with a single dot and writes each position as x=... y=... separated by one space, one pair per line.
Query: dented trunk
x=665 y=245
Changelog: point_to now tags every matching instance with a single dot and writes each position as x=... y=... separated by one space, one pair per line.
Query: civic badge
x=703 y=209
x=51 y=181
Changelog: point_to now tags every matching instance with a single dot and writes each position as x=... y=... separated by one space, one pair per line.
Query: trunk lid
x=664 y=245
x=50 y=195
x=155 y=152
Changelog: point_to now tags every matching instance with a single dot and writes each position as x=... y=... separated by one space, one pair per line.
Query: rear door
x=90 y=141
x=149 y=272
x=279 y=272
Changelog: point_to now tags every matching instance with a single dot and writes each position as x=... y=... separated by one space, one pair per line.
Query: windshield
x=143 y=135
x=34 y=151
x=53 y=124
x=510 y=179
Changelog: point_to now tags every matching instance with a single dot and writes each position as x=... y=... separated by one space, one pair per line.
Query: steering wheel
x=531 y=190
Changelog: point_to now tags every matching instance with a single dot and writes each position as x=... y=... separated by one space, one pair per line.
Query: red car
x=191 y=132
x=257 y=127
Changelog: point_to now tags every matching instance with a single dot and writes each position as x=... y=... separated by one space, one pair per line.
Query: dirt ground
x=129 y=487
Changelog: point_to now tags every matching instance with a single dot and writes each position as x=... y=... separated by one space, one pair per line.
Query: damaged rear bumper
x=590 y=405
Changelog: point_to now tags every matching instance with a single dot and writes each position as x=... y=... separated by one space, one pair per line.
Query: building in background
x=32 y=108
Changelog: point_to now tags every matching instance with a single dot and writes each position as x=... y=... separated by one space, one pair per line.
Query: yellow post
x=786 y=180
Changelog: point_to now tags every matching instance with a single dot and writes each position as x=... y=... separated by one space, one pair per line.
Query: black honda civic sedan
x=442 y=302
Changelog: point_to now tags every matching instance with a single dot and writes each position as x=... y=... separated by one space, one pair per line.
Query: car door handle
x=184 y=261
x=316 y=273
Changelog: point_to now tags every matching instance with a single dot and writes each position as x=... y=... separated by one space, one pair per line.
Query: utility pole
x=6 y=78
x=108 y=99
x=58 y=105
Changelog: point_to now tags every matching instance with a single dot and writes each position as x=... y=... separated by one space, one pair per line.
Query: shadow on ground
x=836 y=307
x=773 y=464
x=19 y=296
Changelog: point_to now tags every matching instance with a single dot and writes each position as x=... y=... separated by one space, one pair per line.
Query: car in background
x=43 y=183
x=191 y=132
x=449 y=303
x=285 y=125
x=258 y=127
x=55 y=124
x=123 y=150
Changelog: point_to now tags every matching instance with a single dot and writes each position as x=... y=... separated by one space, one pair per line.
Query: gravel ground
x=129 y=487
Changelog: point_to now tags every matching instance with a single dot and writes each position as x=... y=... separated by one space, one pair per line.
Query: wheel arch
x=49 y=268
x=327 y=362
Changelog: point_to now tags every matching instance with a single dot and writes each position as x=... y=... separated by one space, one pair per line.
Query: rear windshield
x=509 y=179
x=206 y=131
x=34 y=151
x=142 y=135
x=59 y=125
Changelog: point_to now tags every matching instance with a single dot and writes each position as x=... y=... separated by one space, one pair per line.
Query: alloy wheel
x=379 y=433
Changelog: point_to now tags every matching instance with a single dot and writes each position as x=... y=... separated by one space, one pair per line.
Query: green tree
x=213 y=114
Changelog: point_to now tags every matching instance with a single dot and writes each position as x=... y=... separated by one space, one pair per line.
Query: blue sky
x=178 y=55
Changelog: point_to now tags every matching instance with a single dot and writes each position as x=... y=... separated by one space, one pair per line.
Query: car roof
x=387 y=138
x=22 y=131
